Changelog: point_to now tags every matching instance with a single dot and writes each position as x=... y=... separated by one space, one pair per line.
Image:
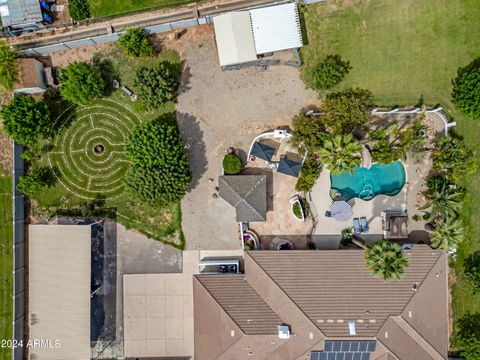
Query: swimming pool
x=367 y=183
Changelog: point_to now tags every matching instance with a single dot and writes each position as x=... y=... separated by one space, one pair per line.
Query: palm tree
x=443 y=199
x=448 y=233
x=386 y=259
x=341 y=153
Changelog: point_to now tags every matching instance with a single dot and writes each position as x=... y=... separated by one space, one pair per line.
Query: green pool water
x=368 y=183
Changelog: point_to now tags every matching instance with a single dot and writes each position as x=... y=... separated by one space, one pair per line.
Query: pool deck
x=327 y=233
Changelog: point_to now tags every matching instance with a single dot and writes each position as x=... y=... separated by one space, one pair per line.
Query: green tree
x=467 y=336
x=443 y=199
x=346 y=111
x=25 y=119
x=232 y=164
x=386 y=259
x=448 y=233
x=79 y=9
x=341 y=153
x=311 y=170
x=471 y=268
x=158 y=85
x=159 y=173
x=307 y=132
x=8 y=65
x=81 y=83
x=135 y=43
x=329 y=72
x=453 y=158
x=33 y=183
x=466 y=89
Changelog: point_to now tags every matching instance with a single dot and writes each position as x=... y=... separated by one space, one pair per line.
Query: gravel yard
x=218 y=110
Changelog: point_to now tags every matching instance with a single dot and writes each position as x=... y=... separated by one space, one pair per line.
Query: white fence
x=437 y=111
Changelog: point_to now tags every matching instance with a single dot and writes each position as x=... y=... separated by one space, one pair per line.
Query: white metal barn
x=242 y=35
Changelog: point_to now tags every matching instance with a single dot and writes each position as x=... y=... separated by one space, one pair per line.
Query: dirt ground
x=218 y=110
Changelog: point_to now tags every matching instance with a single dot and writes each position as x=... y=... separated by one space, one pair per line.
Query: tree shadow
x=194 y=146
x=185 y=77
x=60 y=109
x=108 y=72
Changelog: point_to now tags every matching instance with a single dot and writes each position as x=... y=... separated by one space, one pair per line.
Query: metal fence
x=18 y=253
x=155 y=29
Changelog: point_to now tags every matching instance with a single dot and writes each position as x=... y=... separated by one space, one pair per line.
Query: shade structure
x=262 y=151
x=341 y=210
x=289 y=167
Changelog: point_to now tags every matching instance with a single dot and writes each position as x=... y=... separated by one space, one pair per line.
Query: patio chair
x=363 y=221
x=356 y=226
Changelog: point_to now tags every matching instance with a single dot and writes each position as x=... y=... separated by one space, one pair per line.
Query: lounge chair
x=356 y=226
x=363 y=221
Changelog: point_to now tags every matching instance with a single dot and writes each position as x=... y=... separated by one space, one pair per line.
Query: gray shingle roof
x=247 y=193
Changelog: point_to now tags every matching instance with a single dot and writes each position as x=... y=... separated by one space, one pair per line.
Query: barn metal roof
x=276 y=28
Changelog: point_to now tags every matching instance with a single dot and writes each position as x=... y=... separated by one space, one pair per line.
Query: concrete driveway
x=218 y=110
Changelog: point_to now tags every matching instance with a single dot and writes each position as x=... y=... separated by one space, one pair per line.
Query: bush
x=467 y=336
x=25 y=119
x=159 y=173
x=79 y=9
x=471 y=268
x=81 y=83
x=158 y=85
x=307 y=132
x=346 y=111
x=232 y=164
x=466 y=89
x=453 y=158
x=8 y=65
x=311 y=170
x=135 y=43
x=329 y=72
x=32 y=184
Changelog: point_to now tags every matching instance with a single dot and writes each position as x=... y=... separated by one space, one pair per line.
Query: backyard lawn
x=121 y=7
x=6 y=281
x=87 y=154
x=404 y=51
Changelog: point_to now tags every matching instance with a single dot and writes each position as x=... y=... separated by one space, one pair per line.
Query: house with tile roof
x=316 y=305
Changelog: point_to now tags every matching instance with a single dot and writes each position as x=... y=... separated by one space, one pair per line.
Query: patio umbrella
x=341 y=210
x=289 y=167
x=262 y=151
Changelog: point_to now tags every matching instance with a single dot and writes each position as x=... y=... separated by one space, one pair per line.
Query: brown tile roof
x=317 y=292
x=242 y=303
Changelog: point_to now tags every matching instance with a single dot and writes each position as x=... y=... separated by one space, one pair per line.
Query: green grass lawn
x=88 y=178
x=401 y=51
x=120 y=7
x=6 y=259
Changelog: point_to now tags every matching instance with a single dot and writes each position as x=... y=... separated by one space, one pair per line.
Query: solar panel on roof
x=354 y=346
x=362 y=346
x=328 y=346
x=346 y=346
x=340 y=356
x=349 y=356
x=357 y=356
x=372 y=345
x=337 y=345
x=323 y=356
x=366 y=356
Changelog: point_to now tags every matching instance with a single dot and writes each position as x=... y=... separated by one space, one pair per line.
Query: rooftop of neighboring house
x=323 y=296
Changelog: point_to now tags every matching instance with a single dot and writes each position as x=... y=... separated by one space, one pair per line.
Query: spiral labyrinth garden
x=87 y=151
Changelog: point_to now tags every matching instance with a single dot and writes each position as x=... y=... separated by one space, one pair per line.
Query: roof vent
x=351 y=328
x=283 y=332
x=415 y=287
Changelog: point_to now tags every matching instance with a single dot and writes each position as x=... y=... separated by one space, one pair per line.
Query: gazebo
x=289 y=167
x=262 y=151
